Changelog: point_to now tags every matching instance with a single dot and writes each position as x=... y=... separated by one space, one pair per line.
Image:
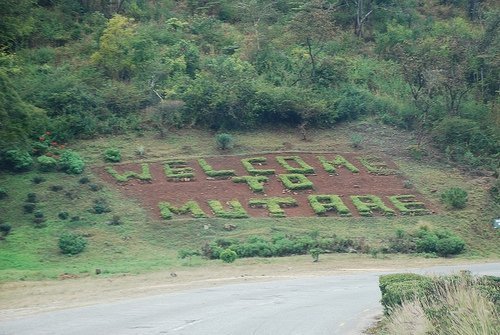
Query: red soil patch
x=343 y=183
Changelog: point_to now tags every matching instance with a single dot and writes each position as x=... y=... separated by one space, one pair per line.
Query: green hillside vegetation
x=84 y=82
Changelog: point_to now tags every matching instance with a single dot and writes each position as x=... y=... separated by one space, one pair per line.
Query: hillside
x=92 y=87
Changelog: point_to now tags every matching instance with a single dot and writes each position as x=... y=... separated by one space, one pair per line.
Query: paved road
x=336 y=305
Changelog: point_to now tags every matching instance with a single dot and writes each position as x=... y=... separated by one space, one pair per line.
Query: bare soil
x=202 y=188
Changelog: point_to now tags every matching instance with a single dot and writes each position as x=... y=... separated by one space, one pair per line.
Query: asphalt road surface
x=336 y=305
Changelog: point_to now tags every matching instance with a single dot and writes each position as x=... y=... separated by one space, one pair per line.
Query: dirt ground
x=22 y=298
x=343 y=183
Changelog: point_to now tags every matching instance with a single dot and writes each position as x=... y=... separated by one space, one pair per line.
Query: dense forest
x=79 y=69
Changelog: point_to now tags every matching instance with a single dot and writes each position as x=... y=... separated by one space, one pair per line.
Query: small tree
x=315 y=252
x=224 y=141
x=455 y=197
x=72 y=244
x=228 y=256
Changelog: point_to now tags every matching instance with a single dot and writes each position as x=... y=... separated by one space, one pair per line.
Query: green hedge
x=248 y=164
x=46 y=163
x=296 y=181
x=303 y=169
x=209 y=171
x=376 y=165
x=366 y=204
x=403 y=287
x=407 y=206
x=145 y=174
x=236 y=210
x=274 y=205
x=330 y=166
x=255 y=183
x=167 y=210
x=177 y=170
x=328 y=202
x=71 y=162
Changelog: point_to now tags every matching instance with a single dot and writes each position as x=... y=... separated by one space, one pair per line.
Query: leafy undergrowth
x=122 y=238
x=460 y=303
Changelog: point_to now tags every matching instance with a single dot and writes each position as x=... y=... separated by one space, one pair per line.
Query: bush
x=72 y=244
x=84 y=180
x=295 y=181
x=248 y=164
x=145 y=174
x=31 y=197
x=209 y=171
x=56 y=188
x=5 y=229
x=29 y=207
x=455 y=197
x=71 y=162
x=63 y=215
x=18 y=160
x=3 y=193
x=112 y=155
x=46 y=163
x=451 y=245
x=303 y=168
x=101 y=206
x=228 y=256
x=224 y=141
x=38 y=179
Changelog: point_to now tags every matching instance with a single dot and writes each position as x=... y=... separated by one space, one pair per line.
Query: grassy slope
x=143 y=244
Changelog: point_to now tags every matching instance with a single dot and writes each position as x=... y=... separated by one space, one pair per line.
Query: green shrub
x=356 y=140
x=95 y=187
x=17 y=160
x=116 y=220
x=426 y=242
x=101 y=206
x=451 y=245
x=3 y=193
x=71 y=162
x=31 y=197
x=303 y=168
x=177 y=170
x=407 y=205
x=56 y=188
x=224 y=141
x=145 y=174
x=5 y=229
x=72 y=244
x=29 y=207
x=38 y=180
x=331 y=165
x=112 y=155
x=324 y=203
x=274 y=205
x=63 y=215
x=295 y=181
x=315 y=252
x=366 y=204
x=228 y=256
x=455 y=197
x=209 y=171
x=167 y=209
x=84 y=180
x=255 y=183
x=406 y=289
x=236 y=210
x=376 y=165
x=248 y=164
x=46 y=163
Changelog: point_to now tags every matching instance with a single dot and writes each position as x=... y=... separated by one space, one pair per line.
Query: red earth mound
x=202 y=188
